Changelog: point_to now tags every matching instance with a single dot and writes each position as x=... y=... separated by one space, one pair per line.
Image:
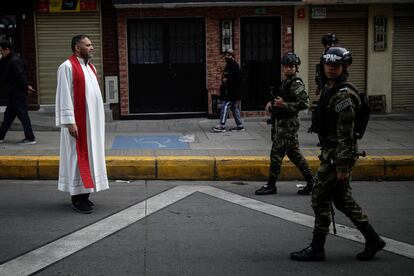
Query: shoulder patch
x=342 y=105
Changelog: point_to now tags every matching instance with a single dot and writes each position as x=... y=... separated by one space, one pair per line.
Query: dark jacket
x=13 y=76
x=230 y=91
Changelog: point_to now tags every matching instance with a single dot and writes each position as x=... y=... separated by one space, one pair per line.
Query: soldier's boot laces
x=314 y=252
x=373 y=242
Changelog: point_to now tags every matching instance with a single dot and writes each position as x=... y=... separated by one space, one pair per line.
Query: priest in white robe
x=80 y=115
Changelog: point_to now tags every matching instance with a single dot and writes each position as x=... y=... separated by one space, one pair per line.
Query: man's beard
x=87 y=56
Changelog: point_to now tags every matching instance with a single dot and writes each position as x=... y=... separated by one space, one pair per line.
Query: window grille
x=380 y=33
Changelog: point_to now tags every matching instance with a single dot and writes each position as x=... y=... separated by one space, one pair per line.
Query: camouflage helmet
x=337 y=55
x=329 y=39
x=290 y=58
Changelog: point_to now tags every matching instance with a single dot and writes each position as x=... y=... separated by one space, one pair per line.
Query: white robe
x=69 y=176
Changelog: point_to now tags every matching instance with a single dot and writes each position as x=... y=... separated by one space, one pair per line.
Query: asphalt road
x=193 y=228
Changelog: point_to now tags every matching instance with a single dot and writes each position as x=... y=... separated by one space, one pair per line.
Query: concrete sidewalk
x=188 y=149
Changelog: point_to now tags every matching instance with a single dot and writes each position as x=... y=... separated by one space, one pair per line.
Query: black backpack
x=363 y=111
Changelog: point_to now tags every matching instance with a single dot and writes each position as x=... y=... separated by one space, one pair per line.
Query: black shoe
x=307 y=190
x=371 y=248
x=219 y=128
x=237 y=128
x=309 y=254
x=27 y=142
x=82 y=206
x=266 y=190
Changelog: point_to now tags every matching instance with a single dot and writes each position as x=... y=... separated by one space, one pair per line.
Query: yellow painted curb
x=290 y=172
x=204 y=167
x=48 y=167
x=18 y=167
x=185 y=167
x=369 y=168
x=131 y=167
x=399 y=167
x=242 y=167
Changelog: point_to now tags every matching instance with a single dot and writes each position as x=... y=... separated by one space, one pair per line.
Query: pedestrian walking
x=290 y=98
x=336 y=128
x=14 y=82
x=230 y=94
x=80 y=115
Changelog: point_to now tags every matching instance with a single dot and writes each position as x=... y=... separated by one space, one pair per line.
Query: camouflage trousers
x=287 y=145
x=327 y=190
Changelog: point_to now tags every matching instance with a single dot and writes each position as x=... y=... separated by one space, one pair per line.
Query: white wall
x=301 y=42
x=379 y=63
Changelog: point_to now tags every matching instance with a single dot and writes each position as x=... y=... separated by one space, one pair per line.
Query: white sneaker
x=1 y=141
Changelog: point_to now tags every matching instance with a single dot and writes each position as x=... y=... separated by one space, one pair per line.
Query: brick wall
x=214 y=59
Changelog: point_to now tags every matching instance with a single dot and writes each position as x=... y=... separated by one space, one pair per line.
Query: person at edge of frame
x=338 y=105
x=14 y=82
x=290 y=98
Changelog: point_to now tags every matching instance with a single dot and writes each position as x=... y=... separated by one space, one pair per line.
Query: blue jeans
x=235 y=109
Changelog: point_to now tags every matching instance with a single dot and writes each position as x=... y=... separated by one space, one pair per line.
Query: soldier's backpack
x=363 y=111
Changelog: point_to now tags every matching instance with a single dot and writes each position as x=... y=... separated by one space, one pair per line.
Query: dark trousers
x=17 y=108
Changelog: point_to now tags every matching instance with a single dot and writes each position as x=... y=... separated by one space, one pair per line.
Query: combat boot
x=269 y=188
x=373 y=242
x=315 y=252
x=307 y=190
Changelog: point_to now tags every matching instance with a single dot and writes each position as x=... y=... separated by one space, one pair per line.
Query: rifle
x=319 y=78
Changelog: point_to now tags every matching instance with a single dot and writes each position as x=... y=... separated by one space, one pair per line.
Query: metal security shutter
x=54 y=34
x=403 y=64
x=352 y=34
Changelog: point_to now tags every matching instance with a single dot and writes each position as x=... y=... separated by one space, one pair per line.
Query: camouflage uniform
x=285 y=141
x=334 y=122
x=337 y=155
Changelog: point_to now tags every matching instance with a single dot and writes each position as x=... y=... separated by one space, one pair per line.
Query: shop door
x=260 y=59
x=166 y=66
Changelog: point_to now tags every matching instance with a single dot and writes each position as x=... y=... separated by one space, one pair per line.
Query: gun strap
x=333 y=218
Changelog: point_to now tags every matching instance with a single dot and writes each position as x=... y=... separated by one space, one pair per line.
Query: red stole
x=80 y=118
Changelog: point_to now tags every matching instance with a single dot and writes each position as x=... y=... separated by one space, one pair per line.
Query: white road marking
x=44 y=256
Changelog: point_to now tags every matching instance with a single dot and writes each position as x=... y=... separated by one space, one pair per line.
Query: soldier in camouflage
x=289 y=100
x=337 y=108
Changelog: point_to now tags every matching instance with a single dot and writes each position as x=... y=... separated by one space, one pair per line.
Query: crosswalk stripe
x=50 y=253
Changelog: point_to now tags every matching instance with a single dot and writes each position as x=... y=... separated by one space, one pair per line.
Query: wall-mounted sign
x=57 y=6
x=318 y=13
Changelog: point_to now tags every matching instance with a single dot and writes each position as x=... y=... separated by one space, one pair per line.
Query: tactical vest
x=287 y=96
x=327 y=116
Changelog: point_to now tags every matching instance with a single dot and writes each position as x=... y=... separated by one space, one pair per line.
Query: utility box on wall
x=111 y=89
